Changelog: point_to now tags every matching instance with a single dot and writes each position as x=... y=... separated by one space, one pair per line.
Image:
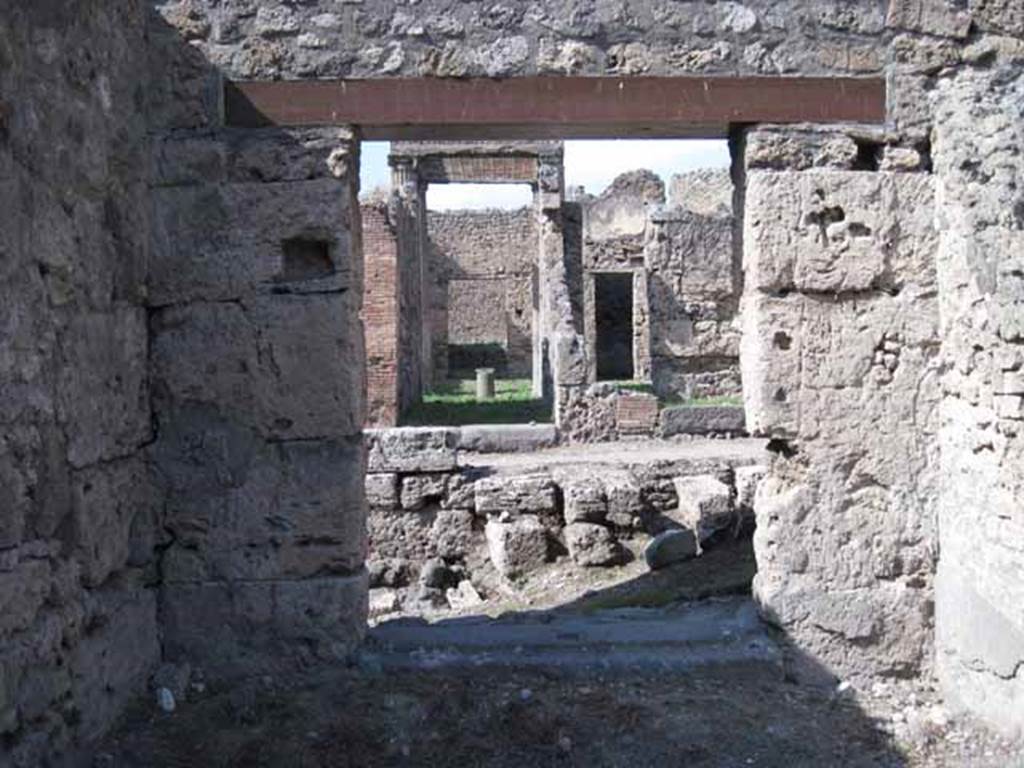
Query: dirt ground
x=358 y=717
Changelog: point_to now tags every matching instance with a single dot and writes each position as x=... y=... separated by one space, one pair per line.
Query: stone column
x=564 y=362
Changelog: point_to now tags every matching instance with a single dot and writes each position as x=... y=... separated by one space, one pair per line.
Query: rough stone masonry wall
x=482 y=266
x=78 y=618
x=257 y=364
x=910 y=41
x=614 y=224
x=980 y=586
x=693 y=290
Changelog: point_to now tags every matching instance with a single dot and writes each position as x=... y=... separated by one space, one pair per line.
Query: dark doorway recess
x=613 y=304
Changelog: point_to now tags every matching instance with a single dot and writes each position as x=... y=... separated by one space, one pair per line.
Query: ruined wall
x=693 y=288
x=613 y=227
x=258 y=373
x=840 y=367
x=78 y=518
x=980 y=260
x=391 y=311
x=482 y=267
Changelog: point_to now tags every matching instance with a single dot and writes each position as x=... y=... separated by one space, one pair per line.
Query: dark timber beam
x=563 y=107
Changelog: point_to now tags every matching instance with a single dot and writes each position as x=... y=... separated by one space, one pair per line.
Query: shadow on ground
x=504 y=715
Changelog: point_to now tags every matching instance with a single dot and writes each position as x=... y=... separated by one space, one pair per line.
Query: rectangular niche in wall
x=305 y=258
x=613 y=309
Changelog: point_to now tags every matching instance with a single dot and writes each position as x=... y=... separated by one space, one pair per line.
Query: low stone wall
x=437 y=520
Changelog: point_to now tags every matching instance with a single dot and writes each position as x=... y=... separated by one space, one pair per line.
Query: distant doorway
x=613 y=306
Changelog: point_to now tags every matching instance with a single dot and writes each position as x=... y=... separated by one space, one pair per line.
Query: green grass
x=454 y=404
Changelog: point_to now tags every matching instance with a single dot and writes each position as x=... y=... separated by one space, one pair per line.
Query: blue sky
x=591 y=164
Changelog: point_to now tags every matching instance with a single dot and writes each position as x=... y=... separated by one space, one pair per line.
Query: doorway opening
x=613 y=308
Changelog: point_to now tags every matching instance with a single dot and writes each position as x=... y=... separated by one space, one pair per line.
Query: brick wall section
x=636 y=414
x=380 y=315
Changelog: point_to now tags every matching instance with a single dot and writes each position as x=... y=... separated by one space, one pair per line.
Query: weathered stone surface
x=502 y=438
x=670 y=547
x=252 y=361
x=705 y=505
x=382 y=490
x=979 y=628
x=453 y=534
x=238 y=628
x=419 y=490
x=747 y=480
x=411 y=449
x=584 y=500
x=591 y=545
x=291 y=509
x=517 y=495
x=852 y=231
x=702 y=420
x=519 y=546
x=705 y=192
x=102 y=388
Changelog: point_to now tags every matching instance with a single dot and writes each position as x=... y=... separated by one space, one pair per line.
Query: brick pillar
x=380 y=315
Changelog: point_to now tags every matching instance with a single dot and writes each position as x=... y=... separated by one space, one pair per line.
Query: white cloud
x=591 y=164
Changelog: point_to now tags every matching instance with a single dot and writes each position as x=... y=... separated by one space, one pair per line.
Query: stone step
x=719 y=631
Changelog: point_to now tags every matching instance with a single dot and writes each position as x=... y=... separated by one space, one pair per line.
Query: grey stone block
x=518 y=547
x=529 y=494
x=702 y=420
x=411 y=449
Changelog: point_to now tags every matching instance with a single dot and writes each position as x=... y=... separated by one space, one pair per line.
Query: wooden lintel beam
x=566 y=106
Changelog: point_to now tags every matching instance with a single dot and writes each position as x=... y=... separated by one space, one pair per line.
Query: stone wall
x=79 y=520
x=446 y=522
x=613 y=227
x=841 y=369
x=980 y=259
x=257 y=366
x=482 y=267
x=693 y=289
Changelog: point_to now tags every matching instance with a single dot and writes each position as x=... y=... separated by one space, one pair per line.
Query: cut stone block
x=418 y=490
x=585 y=500
x=519 y=546
x=411 y=449
x=705 y=505
x=592 y=545
x=516 y=495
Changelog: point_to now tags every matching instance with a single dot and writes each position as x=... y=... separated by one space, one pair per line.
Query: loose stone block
x=592 y=545
x=516 y=495
x=705 y=505
x=517 y=547
x=670 y=547
x=411 y=449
